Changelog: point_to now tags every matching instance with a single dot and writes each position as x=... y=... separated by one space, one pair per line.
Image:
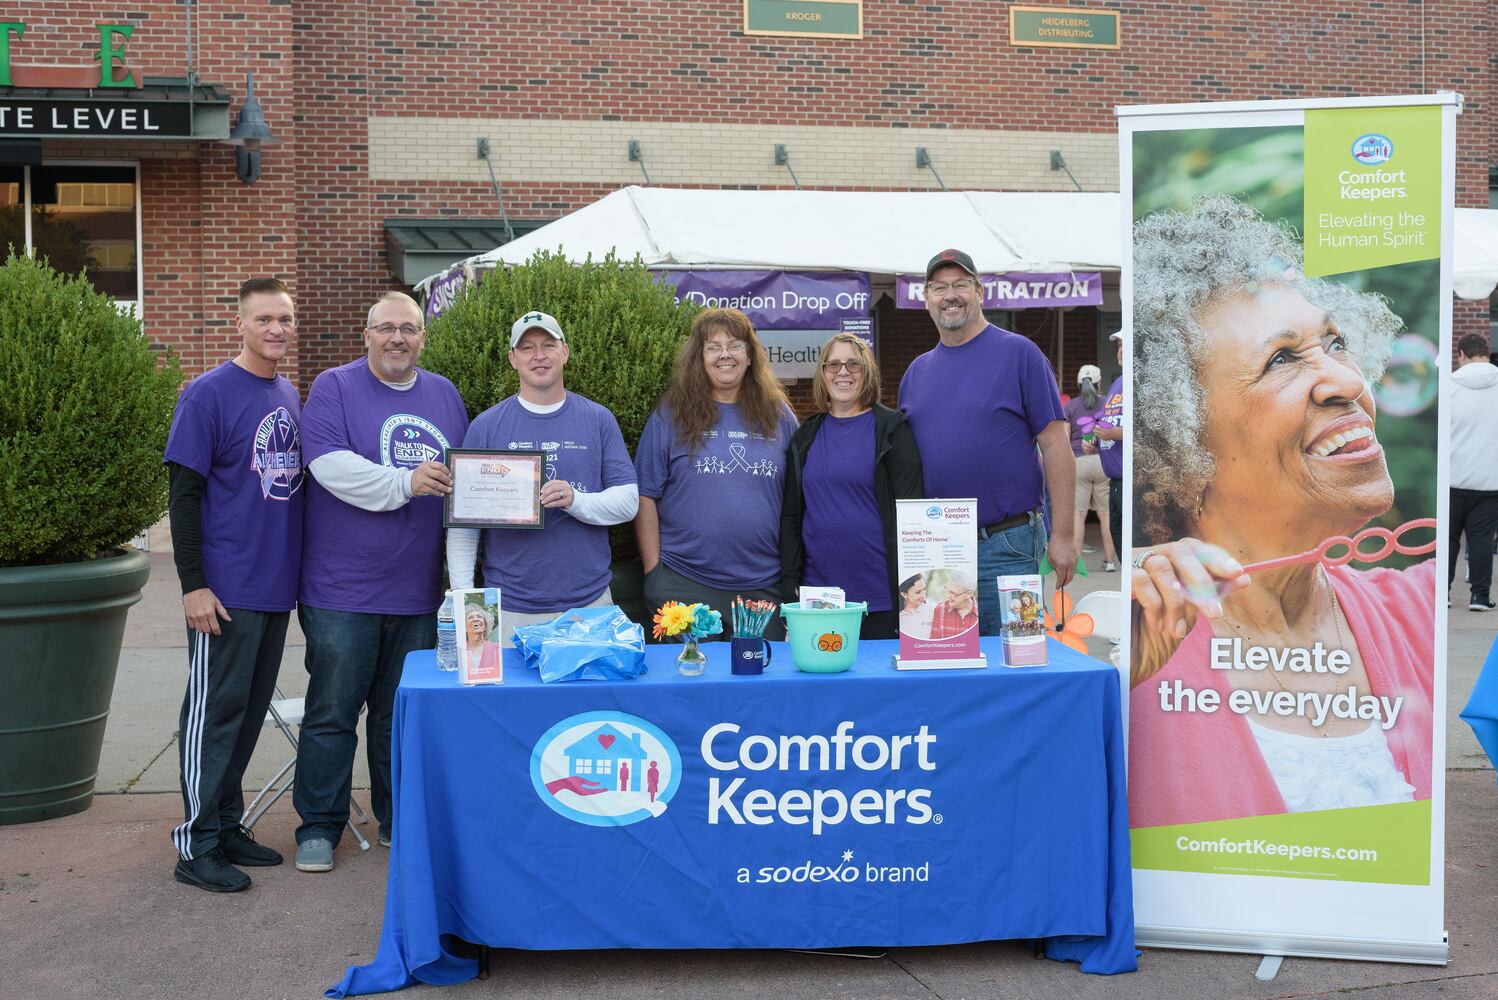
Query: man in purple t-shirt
x=979 y=404
x=1110 y=449
x=235 y=463
x=374 y=433
x=590 y=485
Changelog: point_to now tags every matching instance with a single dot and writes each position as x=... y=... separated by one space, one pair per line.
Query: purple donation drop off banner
x=779 y=300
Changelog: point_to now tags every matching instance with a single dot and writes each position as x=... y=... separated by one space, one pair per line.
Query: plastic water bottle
x=447 y=636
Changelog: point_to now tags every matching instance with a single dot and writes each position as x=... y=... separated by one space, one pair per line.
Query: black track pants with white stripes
x=230 y=680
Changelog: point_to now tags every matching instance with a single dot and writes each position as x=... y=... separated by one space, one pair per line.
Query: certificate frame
x=467 y=463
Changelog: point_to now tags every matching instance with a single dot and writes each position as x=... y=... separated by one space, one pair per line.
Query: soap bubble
x=1410 y=381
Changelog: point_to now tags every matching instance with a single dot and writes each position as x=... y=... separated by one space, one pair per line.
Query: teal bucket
x=823 y=640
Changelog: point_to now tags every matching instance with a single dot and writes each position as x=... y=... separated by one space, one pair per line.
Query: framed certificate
x=495 y=489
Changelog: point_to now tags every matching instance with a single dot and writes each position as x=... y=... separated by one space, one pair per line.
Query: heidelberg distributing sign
x=1063 y=27
x=51 y=118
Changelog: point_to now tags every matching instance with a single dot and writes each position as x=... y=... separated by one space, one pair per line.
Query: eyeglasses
x=957 y=595
x=388 y=329
x=712 y=348
x=963 y=285
x=851 y=367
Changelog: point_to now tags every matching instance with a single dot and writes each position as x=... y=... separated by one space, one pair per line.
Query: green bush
x=85 y=407
x=623 y=329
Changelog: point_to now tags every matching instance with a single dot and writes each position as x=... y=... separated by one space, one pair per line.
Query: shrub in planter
x=623 y=330
x=85 y=407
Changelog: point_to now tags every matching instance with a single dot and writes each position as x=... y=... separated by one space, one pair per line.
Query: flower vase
x=692 y=661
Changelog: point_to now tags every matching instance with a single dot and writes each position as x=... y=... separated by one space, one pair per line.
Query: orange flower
x=672 y=619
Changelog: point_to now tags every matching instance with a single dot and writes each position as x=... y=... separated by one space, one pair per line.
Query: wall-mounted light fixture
x=249 y=134
x=783 y=159
x=923 y=162
x=1059 y=163
x=637 y=155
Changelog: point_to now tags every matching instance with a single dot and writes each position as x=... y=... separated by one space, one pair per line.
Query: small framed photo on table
x=495 y=489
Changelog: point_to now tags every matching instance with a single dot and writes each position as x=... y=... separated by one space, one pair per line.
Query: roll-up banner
x=1288 y=282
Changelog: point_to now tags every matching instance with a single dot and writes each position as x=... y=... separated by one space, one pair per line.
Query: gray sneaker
x=315 y=855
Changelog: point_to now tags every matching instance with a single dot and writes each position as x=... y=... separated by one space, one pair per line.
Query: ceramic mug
x=750 y=656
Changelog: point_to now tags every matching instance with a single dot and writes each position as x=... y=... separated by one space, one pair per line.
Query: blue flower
x=706 y=622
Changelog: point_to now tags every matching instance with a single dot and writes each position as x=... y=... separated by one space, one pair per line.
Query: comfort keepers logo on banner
x=606 y=769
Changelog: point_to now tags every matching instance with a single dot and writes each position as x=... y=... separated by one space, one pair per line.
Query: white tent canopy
x=1476 y=264
x=881 y=232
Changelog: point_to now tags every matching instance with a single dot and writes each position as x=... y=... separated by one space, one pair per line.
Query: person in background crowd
x=1474 y=473
x=710 y=463
x=845 y=468
x=980 y=402
x=1109 y=433
x=374 y=433
x=590 y=485
x=234 y=459
x=1082 y=414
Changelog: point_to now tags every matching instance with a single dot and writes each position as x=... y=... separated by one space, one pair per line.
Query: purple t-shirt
x=1082 y=420
x=239 y=432
x=1111 y=452
x=719 y=503
x=976 y=410
x=365 y=561
x=841 y=527
x=565 y=564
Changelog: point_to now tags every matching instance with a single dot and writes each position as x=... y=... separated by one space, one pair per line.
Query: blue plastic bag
x=584 y=644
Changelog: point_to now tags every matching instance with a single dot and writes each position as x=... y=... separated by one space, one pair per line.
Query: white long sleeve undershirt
x=361 y=483
x=614 y=505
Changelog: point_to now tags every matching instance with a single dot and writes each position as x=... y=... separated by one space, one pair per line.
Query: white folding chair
x=1107 y=608
x=282 y=714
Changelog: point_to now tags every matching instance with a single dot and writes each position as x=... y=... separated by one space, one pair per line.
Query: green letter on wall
x=8 y=28
x=108 y=53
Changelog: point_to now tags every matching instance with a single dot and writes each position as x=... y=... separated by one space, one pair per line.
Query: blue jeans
x=1012 y=552
x=353 y=661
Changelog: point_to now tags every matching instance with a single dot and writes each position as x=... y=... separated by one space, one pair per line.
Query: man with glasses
x=590 y=485
x=374 y=433
x=980 y=402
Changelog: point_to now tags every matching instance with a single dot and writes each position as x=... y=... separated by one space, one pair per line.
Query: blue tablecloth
x=871 y=808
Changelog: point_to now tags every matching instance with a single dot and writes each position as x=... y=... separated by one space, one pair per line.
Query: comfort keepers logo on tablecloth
x=606 y=769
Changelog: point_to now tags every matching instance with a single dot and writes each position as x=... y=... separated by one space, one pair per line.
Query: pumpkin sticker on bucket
x=823 y=640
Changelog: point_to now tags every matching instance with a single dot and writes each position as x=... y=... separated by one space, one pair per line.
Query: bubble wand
x=1354 y=553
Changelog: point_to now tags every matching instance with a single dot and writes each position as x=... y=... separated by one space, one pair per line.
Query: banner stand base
x=978 y=662
x=1269 y=968
x=1272 y=945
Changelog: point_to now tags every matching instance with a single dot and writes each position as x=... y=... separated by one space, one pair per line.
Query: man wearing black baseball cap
x=980 y=402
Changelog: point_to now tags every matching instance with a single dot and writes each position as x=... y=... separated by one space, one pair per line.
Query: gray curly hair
x=1182 y=260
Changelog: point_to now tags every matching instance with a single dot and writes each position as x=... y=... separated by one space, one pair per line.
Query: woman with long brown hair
x=710 y=463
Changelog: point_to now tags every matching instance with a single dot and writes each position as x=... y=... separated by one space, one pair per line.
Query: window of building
x=584 y=765
x=605 y=767
x=82 y=218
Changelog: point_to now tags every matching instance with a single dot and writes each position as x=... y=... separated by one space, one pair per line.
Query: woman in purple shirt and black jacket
x=845 y=468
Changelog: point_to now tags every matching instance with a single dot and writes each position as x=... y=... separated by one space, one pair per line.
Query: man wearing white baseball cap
x=590 y=485
x=1109 y=432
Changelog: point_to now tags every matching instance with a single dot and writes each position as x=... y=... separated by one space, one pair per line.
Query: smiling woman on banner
x=1255 y=438
x=846 y=467
x=710 y=464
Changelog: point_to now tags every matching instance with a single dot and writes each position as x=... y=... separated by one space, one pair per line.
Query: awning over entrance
x=419 y=248
x=161 y=108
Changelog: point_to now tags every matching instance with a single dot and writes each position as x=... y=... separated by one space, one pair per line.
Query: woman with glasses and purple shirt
x=845 y=468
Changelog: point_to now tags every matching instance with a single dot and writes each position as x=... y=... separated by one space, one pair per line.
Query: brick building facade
x=378 y=105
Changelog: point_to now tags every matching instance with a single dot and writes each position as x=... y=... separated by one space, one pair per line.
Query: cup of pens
x=751 y=653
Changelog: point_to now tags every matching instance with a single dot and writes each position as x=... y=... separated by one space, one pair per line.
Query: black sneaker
x=240 y=847
x=1481 y=604
x=213 y=872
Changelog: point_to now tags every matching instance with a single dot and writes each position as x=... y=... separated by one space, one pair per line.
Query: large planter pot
x=60 y=633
